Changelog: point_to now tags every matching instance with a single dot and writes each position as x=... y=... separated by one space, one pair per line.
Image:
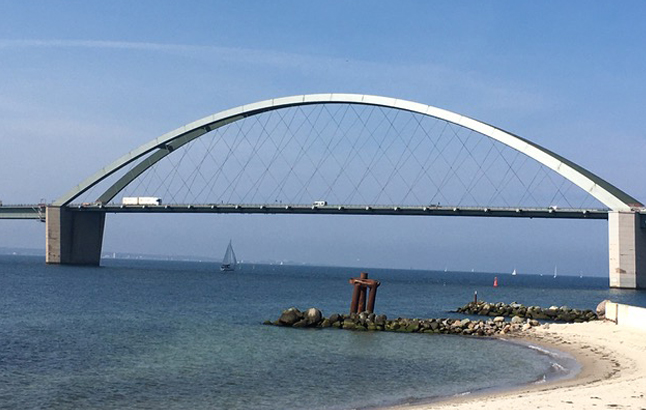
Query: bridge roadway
x=23 y=212
x=38 y=211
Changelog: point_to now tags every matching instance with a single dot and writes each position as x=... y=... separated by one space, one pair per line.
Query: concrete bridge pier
x=73 y=238
x=627 y=249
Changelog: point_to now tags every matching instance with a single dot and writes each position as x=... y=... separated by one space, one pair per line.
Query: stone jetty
x=364 y=321
x=553 y=313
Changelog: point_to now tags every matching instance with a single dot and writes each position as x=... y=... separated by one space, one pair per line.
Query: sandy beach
x=613 y=373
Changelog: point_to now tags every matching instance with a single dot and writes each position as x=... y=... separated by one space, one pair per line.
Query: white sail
x=514 y=272
x=229 y=261
x=555 y=271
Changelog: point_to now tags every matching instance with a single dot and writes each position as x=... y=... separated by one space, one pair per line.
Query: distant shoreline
x=36 y=252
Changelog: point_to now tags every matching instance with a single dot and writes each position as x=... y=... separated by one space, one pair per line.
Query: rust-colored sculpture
x=361 y=285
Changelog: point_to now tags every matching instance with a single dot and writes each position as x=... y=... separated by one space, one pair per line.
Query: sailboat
x=229 y=261
x=514 y=273
x=555 y=272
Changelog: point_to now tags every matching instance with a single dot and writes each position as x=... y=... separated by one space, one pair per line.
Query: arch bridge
x=346 y=154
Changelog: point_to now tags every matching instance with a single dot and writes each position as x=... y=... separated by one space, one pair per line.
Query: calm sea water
x=179 y=335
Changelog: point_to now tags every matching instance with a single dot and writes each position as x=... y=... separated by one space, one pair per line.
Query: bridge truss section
x=347 y=150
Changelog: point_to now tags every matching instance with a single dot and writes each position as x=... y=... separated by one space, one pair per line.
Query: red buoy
x=495 y=282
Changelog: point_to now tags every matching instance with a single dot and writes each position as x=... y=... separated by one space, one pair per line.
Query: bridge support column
x=627 y=249
x=73 y=238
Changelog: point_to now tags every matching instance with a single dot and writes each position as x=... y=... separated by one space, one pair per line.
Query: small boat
x=514 y=273
x=555 y=271
x=229 y=261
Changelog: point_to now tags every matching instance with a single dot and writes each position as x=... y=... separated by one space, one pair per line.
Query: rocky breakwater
x=364 y=321
x=553 y=313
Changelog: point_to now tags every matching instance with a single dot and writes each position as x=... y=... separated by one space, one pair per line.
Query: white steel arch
x=158 y=148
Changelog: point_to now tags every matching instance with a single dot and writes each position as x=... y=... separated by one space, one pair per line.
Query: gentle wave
x=563 y=365
x=466 y=393
x=557 y=368
x=550 y=353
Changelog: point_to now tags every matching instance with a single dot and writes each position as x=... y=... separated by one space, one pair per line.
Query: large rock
x=380 y=320
x=301 y=323
x=590 y=315
x=290 y=316
x=391 y=325
x=601 y=309
x=413 y=326
x=363 y=317
x=313 y=316
x=349 y=324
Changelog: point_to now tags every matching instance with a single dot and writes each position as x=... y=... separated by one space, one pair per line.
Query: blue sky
x=82 y=82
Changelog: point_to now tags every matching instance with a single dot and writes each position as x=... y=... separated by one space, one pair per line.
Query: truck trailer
x=141 y=200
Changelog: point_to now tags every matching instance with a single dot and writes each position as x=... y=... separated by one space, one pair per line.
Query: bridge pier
x=73 y=238
x=627 y=249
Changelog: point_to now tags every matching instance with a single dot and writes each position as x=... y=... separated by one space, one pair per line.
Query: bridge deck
x=23 y=212
x=352 y=210
x=38 y=211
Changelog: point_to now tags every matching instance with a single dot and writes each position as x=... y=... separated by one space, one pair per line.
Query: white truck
x=319 y=203
x=141 y=200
